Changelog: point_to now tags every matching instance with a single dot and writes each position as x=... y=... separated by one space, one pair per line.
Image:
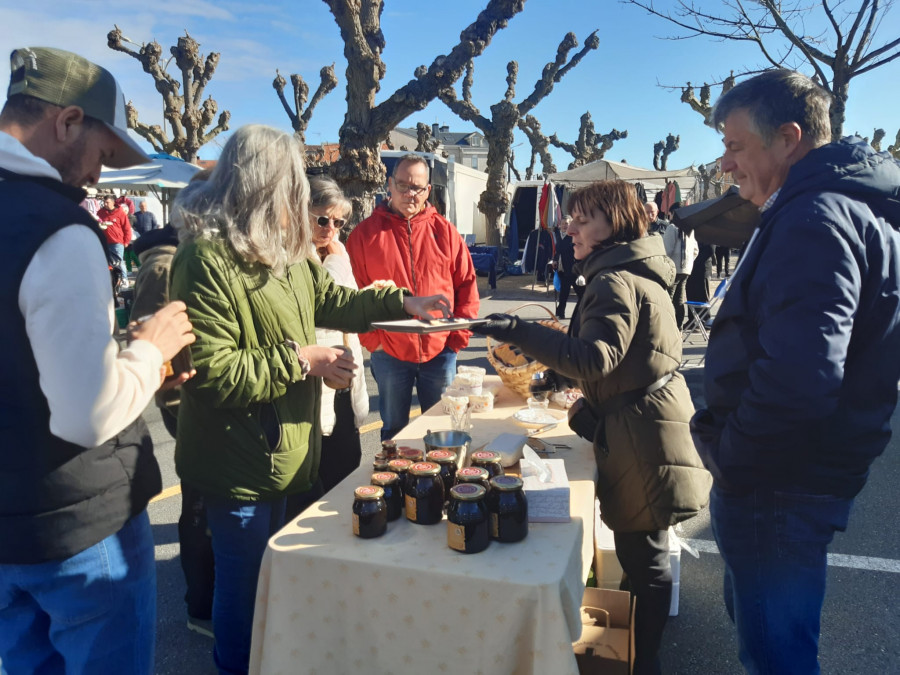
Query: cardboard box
x=606 y=644
x=548 y=502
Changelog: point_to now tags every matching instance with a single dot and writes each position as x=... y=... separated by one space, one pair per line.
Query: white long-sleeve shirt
x=93 y=389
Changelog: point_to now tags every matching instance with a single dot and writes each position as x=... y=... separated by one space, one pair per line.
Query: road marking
x=854 y=562
x=366 y=428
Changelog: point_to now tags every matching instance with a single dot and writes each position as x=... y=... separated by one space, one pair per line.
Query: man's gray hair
x=325 y=193
x=411 y=158
x=779 y=97
x=256 y=198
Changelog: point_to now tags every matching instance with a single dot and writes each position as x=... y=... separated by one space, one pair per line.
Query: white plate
x=531 y=418
x=422 y=327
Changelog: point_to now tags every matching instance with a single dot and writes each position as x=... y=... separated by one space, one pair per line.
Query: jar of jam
x=369 y=512
x=381 y=463
x=400 y=467
x=446 y=459
x=424 y=494
x=389 y=449
x=488 y=460
x=467 y=519
x=474 y=474
x=393 y=495
x=508 y=509
x=412 y=454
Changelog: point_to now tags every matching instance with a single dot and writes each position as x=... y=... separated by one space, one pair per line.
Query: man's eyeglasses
x=325 y=221
x=416 y=190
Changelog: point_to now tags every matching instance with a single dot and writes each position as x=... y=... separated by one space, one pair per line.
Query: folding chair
x=699 y=312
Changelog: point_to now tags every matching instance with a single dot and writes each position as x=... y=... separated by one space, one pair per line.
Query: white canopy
x=164 y=176
x=606 y=170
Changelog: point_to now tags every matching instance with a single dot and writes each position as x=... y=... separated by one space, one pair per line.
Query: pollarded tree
x=705 y=105
x=540 y=146
x=188 y=114
x=778 y=28
x=296 y=113
x=589 y=146
x=662 y=150
x=505 y=115
x=359 y=169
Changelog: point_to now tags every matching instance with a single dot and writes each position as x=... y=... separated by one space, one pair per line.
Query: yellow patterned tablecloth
x=330 y=603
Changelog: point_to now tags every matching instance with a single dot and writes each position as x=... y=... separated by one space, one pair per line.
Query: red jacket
x=119 y=229
x=427 y=255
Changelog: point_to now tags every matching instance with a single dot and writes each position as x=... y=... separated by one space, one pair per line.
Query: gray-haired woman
x=248 y=425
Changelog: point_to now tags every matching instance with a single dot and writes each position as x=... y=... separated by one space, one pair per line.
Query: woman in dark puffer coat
x=623 y=350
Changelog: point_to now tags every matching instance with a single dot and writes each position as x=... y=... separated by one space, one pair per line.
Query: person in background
x=407 y=242
x=130 y=257
x=803 y=359
x=115 y=225
x=144 y=219
x=343 y=410
x=564 y=264
x=77 y=569
x=657 y=225
x=248 y=423
x=623 y=351
x=723 y=261
x=682 y=249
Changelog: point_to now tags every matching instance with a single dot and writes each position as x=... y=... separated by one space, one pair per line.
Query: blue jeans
x=774 y=546
x=395 y=380
x=92 y=613
x=117 y=253
x=240 y=531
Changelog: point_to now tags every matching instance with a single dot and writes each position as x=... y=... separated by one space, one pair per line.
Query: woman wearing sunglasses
x=343 y=410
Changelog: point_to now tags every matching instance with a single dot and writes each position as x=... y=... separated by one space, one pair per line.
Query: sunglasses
x=325 y=221
x=415 y=190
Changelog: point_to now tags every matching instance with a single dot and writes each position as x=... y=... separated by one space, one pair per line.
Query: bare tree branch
x=589 y=146
x=299 y=117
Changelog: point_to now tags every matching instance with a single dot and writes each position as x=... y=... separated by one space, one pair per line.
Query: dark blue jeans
x=395 y=379
x=774 y=546
x=92 y=613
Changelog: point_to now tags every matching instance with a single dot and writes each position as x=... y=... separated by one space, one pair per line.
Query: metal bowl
x=457 y=441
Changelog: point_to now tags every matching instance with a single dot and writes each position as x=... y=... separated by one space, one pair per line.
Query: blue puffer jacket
x=804 y=357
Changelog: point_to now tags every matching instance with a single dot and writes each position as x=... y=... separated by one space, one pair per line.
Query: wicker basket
x=518 y=378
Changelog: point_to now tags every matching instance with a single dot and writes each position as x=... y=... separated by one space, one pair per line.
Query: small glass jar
x=446 y=459
x=467 y=519
x=424 y=494
x=389 y=449
x=508 y=509
x=369 y=512
x=393 y=494
x=381 y=463
x=401 y=468
x=474 y=474
x=489 y=461
x=412 y=454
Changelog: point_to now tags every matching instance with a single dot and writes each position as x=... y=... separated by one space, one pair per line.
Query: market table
x=329 y=602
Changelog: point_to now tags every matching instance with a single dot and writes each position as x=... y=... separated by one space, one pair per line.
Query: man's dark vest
x=56 y=498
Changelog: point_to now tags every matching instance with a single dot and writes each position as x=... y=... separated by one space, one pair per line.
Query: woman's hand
x=498 y=326
x=421 y=305
x=168 y=329
x=334 y=365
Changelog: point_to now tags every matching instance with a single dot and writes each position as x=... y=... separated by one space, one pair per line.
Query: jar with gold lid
x=467 y=519
x=393 y=495
x=489 y=461
x=424 y=494
x=508 y=509
x=369 y=512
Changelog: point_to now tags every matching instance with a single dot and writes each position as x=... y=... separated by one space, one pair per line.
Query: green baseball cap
x=63 y=78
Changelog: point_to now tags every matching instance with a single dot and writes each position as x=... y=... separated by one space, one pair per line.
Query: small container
x=424 y=494
x=412 y=454
x=467 y=519
x=508 y=509
x=381 y=463
x=474 y=474
x=488 y=460
x=369 y=512
x=389 y=449
x=400 y=467
x=446 y=459
x=393 y=494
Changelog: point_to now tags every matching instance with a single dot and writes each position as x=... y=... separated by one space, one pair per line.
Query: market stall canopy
x=606 y=170
x=728 y=220
x=163 y=177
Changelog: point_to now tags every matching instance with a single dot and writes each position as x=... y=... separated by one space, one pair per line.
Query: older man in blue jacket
x=803 y=362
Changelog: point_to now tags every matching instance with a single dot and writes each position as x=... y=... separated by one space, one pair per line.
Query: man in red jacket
x=118 y=233
x=406 y=241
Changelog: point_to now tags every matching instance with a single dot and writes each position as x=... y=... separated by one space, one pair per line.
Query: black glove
x=498 y=326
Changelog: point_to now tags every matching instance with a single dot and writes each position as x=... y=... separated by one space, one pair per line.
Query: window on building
x=474 y=162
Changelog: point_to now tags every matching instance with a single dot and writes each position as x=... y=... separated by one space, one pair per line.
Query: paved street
x=861 y=619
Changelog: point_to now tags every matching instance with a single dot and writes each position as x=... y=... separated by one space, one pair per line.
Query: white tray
x=421 y=327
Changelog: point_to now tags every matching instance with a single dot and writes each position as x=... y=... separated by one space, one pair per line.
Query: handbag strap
x=626 y=398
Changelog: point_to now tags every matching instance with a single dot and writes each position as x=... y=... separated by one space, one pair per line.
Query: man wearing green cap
x=77 y=575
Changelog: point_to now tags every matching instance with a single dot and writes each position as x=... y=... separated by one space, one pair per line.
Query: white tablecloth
x=329 y=602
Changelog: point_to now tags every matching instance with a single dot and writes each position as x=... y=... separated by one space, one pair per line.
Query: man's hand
x=498 y=326
x=421 y=305
x=333 y=364
x=169 y=329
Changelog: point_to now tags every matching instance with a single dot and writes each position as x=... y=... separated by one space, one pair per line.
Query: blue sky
x=618 y=83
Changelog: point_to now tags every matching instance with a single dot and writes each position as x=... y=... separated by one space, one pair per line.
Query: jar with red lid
x=369 y=512
x=508 y=509
x=393 y=495
x=424 y=494
x=412 y=454
x=446 y=459
x=474 y=474
x=489 y=461
x=400 y=467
